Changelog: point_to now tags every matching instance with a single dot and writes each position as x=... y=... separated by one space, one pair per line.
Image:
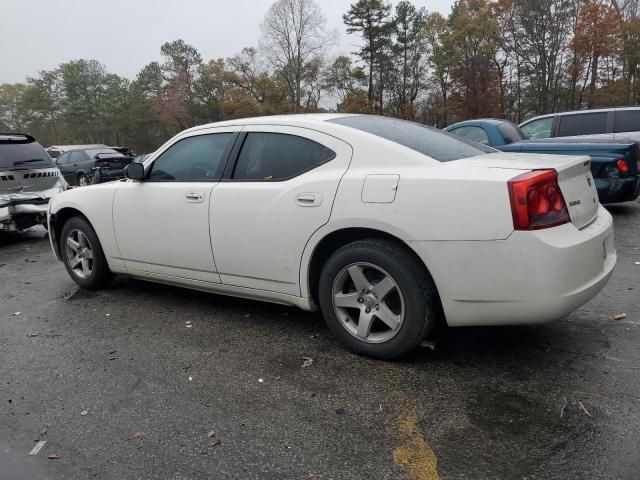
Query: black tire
x=100 y=275
x=83 y=180
x=421 y=301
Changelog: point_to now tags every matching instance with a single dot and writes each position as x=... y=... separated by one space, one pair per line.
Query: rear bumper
x=531 y=277
x=23 y=215
x=618 y=190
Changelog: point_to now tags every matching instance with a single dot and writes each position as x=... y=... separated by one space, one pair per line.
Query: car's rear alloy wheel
x=368 y=302
x=378 y=298
x=82 y=254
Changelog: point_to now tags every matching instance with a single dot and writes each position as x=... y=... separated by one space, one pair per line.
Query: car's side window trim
x=610 y=121
x=233 y=157
x=224 y=161
x=233 y=160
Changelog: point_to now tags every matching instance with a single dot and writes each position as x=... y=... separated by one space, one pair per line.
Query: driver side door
x=162 y=223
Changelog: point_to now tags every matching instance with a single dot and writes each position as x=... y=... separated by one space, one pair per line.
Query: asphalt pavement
x=145 y=381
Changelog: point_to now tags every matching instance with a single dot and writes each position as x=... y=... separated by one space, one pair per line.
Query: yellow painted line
x=413 y=452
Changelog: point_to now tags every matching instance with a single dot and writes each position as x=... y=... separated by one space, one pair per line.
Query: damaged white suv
x=28 y=180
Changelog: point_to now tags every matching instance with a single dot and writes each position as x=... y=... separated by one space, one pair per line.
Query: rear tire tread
x=424 y=288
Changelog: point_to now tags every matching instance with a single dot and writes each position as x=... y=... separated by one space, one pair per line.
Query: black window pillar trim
x=232 y=158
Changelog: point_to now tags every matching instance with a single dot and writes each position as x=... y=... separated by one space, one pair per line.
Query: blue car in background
x=615 y=164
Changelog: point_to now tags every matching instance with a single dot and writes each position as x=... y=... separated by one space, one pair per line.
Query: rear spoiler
x=16 y=138
x=101 y=156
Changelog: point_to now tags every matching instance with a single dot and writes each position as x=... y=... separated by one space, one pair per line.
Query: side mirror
x=134 y=171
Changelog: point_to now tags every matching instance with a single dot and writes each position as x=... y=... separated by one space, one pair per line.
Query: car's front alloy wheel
x=377 y=298
x=82 y=254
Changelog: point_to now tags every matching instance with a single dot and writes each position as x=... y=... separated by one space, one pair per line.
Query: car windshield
x=103 y=152
x=429 y=141
x=14 y=156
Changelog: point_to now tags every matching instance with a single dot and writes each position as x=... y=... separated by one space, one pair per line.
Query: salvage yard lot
x=179 y=384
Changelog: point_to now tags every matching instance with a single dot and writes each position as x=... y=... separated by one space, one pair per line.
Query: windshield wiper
x=20 y=162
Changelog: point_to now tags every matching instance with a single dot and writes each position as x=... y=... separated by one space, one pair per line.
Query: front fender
x=95 y=203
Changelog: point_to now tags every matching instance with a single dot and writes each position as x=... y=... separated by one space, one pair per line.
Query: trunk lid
x=574 y=178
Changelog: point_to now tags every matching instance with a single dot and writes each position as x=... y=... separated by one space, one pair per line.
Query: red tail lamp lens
x=537 y=201
x=622 y=166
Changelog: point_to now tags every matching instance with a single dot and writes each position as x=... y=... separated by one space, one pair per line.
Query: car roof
x=66 y=148
x=15 y=137
x=490 y=121
x=110 y=150
x=300 y=119
x=580 y=112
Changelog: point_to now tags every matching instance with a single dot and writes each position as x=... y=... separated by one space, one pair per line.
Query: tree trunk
x=594 y=77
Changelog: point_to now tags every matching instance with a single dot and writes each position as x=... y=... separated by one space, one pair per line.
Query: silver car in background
x=28 y=179
x=597 y=124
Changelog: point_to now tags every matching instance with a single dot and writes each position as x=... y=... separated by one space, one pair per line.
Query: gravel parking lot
x=150 y=381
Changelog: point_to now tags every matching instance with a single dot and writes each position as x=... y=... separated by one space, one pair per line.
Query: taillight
x=622 y=166
x=536 y=201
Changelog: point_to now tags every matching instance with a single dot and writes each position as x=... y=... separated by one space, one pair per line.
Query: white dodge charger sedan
x=387 y=226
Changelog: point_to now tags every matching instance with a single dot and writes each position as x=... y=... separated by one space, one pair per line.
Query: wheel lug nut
x=361 y=300
x=365 y=291
x=368 y=310
x=377 y=307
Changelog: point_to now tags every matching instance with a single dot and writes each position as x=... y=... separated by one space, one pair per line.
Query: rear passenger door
x=278 y=190
x=595 y=125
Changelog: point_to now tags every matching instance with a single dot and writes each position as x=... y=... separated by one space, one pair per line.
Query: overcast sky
x=126 y=34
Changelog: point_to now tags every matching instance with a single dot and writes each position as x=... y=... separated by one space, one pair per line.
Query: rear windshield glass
x=15 y=156
x=426 y=140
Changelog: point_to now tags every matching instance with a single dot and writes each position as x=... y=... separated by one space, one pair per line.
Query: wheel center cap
x=370 y=301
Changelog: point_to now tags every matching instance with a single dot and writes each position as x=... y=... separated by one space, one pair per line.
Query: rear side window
x=583 y=124
x=429 y=141
x=476 y=134
x=78 y=157
x=200 y=158
x=627 y=121
x=278 y=156
x=540 y=128
x=15 y=156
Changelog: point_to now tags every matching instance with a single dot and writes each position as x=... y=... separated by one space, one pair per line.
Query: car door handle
x=194 y=197
x=308 y=199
